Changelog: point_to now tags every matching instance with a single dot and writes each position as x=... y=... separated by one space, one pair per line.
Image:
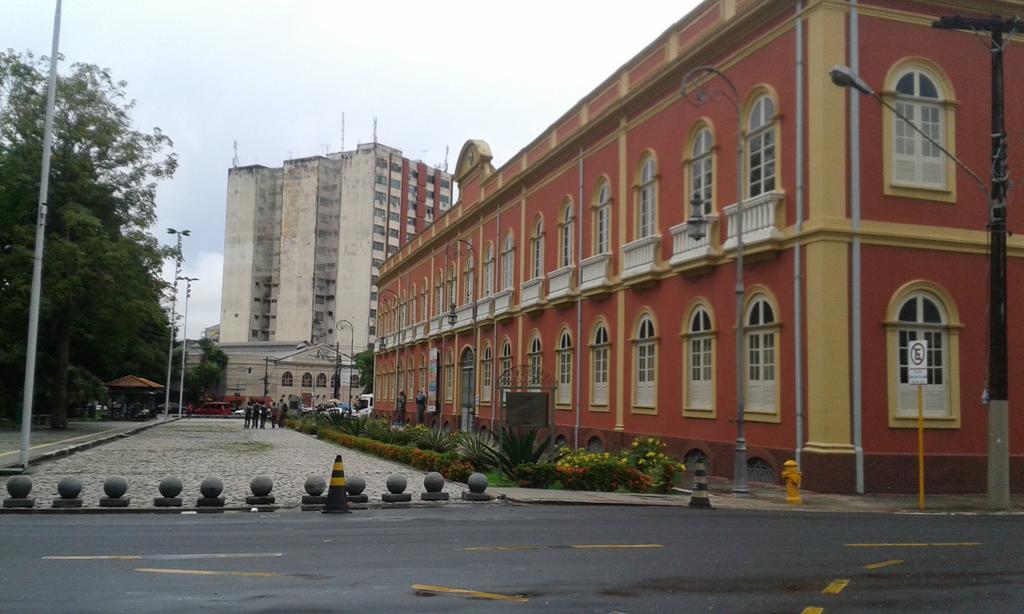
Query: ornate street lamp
x=696 y=226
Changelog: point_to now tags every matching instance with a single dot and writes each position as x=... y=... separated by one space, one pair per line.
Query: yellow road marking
x=53 y=443
x=207 y=572
x=469 y=593
x=163 y=557
x=813 y=611
x=570 y=546
x=915 y=545
x=883 y=564
x=835 y=587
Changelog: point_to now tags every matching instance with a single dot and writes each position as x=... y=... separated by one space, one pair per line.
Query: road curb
x=85 y=445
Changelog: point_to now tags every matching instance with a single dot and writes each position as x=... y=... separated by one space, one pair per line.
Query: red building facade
x=579 y=261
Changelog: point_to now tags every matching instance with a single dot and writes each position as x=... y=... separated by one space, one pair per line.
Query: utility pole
x=266 y=376
x=996 y=393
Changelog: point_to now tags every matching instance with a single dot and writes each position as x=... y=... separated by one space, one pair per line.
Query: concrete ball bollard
x=211 y=501
x=433 y=483
x=68 y=488
x=314 y=499
x=315 y=485
x=170 y=487
x=396 y=484
x=355 y=486
x=19 y=488
x=477 y=485
x=261 y=487
x=115 y=487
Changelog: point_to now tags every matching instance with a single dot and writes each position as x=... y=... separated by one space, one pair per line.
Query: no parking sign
x=917 y=361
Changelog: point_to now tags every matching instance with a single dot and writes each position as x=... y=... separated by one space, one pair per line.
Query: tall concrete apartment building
x=303 y=242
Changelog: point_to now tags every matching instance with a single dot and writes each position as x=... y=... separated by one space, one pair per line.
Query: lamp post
x=178 y=259
x=701 y=96
x=184 y=339
x=351 y=347
x=995 y=393
x=452 y=318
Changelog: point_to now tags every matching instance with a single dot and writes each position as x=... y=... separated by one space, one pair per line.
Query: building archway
x=467 y=387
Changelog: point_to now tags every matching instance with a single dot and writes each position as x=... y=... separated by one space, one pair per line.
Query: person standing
x=421 y=406
x=282 y=414
x=400 y=413
x=263 y=417
x=248 y=416
x=273 y=417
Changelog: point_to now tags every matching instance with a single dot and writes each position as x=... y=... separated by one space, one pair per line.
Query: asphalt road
x=512 y=558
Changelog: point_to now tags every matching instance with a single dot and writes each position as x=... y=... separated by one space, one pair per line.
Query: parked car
x=213 y=408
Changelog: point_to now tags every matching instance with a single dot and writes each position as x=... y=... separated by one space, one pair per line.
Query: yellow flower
x=650 y=455
x=635 y=443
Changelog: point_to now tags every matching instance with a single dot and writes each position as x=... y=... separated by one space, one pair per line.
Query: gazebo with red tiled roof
x=131 y=394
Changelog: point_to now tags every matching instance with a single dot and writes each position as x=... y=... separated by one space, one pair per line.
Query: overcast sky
x=277 y=76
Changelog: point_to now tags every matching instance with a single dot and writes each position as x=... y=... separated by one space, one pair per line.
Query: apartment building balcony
x=484 y=309
x=687 y=249
x=502 y=302
x=640 y=257
x=408 y=335
x=437 y=324
x=560 y=283
x=595 y=273
x=420 y=331
x=464 y=315
x=532 y=294
x=761 y=217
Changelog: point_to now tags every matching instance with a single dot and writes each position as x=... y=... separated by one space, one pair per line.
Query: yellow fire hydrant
x=791 y=477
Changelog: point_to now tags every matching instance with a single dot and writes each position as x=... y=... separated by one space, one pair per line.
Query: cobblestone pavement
x=196 y=449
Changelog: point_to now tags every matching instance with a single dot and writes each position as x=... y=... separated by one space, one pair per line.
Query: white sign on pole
x=917 y=361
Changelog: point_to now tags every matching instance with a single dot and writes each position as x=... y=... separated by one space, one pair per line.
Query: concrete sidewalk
x=767 y=497
x=46 y=443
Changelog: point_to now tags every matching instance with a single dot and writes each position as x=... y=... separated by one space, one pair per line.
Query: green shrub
x=479 y=450
x=356 y=426
x=437 y=440
x=645 y=454
x=518 y=447
x=538 y=475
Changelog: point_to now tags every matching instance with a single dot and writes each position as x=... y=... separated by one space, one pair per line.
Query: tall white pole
x=37 y=259
x=184 y=342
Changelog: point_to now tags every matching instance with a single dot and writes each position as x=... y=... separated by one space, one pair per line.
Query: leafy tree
x=101 y=291
x=364 y=362
x=208 y=373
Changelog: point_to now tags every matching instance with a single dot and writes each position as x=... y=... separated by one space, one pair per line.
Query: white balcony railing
x=408 y=334
x=421 y=331
x=436 y=324
x=760 y=220
x=531 y=292
x=560 y=282
x=639 y=257
x=464 y=315
x=502 y=302
x=594 y=272
x=484 y=309
x=685 y=248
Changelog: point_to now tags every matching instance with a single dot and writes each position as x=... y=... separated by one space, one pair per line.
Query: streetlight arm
x=843 y=76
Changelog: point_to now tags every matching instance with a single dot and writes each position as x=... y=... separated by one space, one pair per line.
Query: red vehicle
x=213 y=408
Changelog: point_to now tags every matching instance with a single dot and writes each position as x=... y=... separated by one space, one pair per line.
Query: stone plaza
x=195 y=449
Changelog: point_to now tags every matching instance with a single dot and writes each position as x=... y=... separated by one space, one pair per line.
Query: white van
x=365 y=407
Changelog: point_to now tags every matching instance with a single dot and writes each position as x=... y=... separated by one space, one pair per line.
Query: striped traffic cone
x=337 y=499
x=699 y=498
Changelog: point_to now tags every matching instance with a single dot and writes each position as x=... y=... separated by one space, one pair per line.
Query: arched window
x=537 y=250
x=423 y=299
x=335 y=381
x=400 y=380
x=449 y=379
x=535 y=360
x=423 y=375
x=439 y=293
x=563 y=394
x=565 y=233
x=286 y=379
x=916 y=161
x=508 y=260
x=761 y=373
x=489 y=271
x=504 y=364
x=486 y=374
x=467 y=281
x=701 y=168
x=602 y=219
x=700 y=356
x=599 y=367
x=647 y=199
x=411 y=307
x=761 y=147
x=451 y=286
x=321 y=380
x=307 y=380
x=922 y=317
x=645 y=365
